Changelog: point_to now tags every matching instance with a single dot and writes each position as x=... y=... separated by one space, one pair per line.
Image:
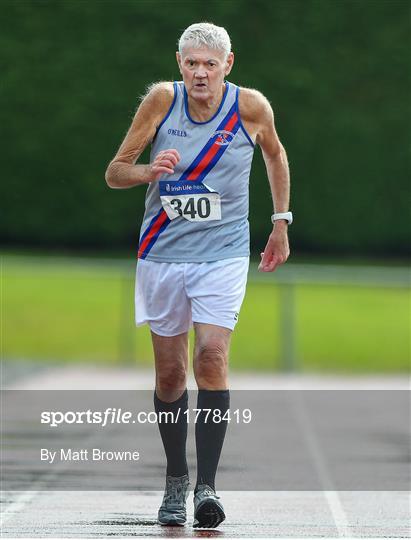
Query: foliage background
x=336 y=71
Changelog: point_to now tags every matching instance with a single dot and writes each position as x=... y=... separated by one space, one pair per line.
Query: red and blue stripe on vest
x=196 y=172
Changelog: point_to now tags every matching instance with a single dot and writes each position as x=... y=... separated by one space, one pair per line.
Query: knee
x=171 y=378
x=211 y=364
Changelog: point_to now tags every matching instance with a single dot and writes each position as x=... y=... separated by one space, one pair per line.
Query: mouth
x=200 y=85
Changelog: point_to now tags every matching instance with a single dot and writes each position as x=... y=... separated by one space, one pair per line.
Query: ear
x=178 y=57
x=229 y=63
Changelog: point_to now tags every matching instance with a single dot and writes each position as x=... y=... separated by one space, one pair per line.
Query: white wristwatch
x=288 y=216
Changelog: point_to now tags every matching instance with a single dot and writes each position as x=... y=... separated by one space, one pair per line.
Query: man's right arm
x=123 y=172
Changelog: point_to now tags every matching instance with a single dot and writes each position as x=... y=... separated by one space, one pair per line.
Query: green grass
x=82 y=311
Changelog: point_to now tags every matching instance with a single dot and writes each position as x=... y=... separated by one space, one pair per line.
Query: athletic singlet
x=199 y=213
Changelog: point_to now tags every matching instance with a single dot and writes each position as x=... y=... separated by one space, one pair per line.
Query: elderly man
x=194 y=243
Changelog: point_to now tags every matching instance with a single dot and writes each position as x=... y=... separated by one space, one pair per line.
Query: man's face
x=203 y=71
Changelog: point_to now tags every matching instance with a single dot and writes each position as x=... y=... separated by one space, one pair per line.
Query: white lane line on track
x=330 y=493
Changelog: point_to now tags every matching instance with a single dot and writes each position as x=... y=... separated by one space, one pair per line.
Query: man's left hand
x=277 y=250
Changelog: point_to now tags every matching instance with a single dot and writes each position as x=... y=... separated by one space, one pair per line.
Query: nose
x=200 y=73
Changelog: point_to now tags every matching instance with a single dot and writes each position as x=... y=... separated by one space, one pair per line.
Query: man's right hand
x=124 y=171
x=164 y=163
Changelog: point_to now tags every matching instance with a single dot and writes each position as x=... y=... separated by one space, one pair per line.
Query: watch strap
x=288 y=216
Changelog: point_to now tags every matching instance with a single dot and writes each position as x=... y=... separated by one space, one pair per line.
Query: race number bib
x=190 y=200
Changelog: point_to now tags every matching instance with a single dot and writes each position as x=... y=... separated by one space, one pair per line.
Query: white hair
x=205 y=34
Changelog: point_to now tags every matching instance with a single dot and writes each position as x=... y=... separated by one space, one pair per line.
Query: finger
x=266 y=257
x=173 y=152
x=282 y=258
x=265 y=260
x=164 y=163
x=271 y=266
x=170 y=157
x=162 y=170
x=270 y=263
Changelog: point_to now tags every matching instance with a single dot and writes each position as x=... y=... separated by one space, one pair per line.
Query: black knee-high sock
x=174 y=435
x=210 y=435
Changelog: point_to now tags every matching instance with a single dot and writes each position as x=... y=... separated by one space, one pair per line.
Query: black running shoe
x=208 y=511
x=173 y=509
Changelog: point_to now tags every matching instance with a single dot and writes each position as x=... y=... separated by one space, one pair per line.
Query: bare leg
x=171 y=363
x=211 y=350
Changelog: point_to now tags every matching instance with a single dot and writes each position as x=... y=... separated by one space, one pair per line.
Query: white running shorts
x=171 y=296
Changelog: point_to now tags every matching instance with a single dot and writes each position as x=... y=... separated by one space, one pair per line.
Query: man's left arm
x=277 y=249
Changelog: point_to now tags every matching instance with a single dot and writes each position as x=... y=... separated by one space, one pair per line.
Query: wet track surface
x=41 y=513
x=256 y=514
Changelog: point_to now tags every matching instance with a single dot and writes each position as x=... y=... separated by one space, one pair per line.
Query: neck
x=204 y=109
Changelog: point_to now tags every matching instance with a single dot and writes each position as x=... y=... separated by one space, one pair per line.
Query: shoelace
x=210 y=492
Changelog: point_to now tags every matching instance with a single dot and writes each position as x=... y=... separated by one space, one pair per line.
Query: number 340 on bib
x=193 y=207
